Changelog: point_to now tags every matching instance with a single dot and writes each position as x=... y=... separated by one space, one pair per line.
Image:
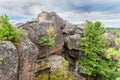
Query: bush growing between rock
x=94 y=62
x=49 y=39
x=8 y=31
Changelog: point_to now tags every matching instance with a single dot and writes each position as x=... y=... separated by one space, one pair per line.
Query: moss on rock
x=58 y=71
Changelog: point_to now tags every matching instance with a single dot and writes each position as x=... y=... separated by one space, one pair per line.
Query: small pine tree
x=92 y=39
x=93 y=45
x=49 y=39
x=8 y=31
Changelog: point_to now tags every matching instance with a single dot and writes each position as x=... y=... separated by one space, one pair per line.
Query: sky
x=74 y=11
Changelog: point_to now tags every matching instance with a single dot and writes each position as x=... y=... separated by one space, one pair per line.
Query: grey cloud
x=71 y=10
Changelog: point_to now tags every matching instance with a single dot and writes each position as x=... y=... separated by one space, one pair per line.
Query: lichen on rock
x=58 y=69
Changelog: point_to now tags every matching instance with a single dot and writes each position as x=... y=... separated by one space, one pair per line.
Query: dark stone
x=8 y=61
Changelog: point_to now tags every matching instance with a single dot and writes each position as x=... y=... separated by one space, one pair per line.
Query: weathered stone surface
x=27 y=55
x=8 y=61
x=51 y=17
x=110 y=38
x=54 y=61
x=72 y=41
x=72 y=35
x=72 y=29
x=37 y=29
x=58 y=68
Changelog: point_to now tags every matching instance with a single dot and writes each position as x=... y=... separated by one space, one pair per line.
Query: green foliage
x=92 y=40
x=115 y=55
x=117 y=42
x=65 y=63
x=46 y=41
x=55 y=73
x=112 y=52
x=1 y=60
x=58 y=74
x=8 y=31
x=93 y=45
x=118 y=78
x=49 y=39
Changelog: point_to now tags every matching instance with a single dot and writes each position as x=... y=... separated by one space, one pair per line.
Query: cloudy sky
x=75 y=11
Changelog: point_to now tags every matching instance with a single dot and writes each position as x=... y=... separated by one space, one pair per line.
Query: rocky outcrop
x=37 y=29
x=110 y=38
x=8 y=61
x=28 y=60
x=28 y=53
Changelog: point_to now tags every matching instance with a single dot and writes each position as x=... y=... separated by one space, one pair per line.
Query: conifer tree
x=49 y=39
x=8 y=31
x=93 y=45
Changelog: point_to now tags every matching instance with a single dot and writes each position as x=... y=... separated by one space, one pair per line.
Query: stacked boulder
x=29 y=60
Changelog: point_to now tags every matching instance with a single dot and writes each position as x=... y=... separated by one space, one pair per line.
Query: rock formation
x=28 y=59
x=36 y=29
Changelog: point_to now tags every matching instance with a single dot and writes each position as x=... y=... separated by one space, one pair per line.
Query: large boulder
x=37 y=29
x=28 y=53
x=8 y=61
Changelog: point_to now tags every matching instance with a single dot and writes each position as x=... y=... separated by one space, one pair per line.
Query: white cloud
x=108 y=19
x=30 y=8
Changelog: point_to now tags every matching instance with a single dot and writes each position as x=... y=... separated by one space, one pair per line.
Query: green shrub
x=117 y=42
x=115 y=55
x=8 y=32
x=49 y=39
x=118 y=78
x=58 y=74
x=112 y=52
x=94 y=62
